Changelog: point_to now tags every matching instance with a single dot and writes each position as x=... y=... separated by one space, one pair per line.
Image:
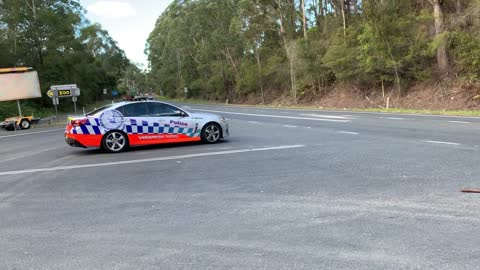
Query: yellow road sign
x=64 y=93
x=50 y=93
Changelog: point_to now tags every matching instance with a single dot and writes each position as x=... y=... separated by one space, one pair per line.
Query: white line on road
x=348 y=132
x=116 y=163
x=277 y=116
x=325 y=116
x=37 y=132
x=289 y=126
x=459 y=122
x=253 y=122
x=393 y=118
x=440 y=142
x=285 y=110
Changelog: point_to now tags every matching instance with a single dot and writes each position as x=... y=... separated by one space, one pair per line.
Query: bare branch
x=4 y=33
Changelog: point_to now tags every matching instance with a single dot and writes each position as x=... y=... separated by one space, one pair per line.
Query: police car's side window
x=134 y=110
x=160 y=109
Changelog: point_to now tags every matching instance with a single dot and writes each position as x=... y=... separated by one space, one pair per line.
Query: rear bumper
x=83 y=140
x=74 y=143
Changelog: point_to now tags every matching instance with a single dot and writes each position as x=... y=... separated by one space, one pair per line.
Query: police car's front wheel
x=211 y=133
x=115 y=142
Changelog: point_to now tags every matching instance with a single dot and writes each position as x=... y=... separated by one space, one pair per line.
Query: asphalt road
x=290 y=189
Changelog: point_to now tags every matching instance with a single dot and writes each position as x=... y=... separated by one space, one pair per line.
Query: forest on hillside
x=55 y=38
x=299 y=49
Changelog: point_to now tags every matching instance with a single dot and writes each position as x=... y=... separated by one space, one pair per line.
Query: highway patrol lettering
x=157 y=137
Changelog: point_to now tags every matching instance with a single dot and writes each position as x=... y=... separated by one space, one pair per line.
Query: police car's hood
x=204 y=116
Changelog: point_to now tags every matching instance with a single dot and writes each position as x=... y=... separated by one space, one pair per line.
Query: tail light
x=79 y=122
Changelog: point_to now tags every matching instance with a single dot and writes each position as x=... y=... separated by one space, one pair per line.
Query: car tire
x=211 y=133
x=115 y=142
x=25 y=124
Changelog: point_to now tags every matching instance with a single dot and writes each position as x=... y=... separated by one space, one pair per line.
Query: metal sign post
x=185 y=91
x=74 y=99
x=55 y=103
x=19 y=108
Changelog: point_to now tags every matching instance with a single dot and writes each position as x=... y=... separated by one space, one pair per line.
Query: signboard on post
x=19 y=83
x=61 y=91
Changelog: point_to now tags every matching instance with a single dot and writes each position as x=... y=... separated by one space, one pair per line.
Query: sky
x=129 y=22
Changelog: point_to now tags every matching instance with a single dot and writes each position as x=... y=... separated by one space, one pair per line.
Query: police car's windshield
x=99 y=110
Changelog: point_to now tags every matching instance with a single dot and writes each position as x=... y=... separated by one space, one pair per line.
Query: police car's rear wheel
x=114 y=142
x=211 y=133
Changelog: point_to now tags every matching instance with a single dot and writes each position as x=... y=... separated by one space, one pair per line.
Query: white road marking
x=393 y=118
x=459 y=122
x=325 y=116
x=116 y=163
x=30 y=133
x=359 y=112
x=440 y=142
x=253 y=122
x=309 y=127
x=219 y=148
x=277 y=116
x=348 y=132
x=289 y=126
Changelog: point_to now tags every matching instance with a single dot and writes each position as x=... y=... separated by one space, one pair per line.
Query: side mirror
x=181 y=113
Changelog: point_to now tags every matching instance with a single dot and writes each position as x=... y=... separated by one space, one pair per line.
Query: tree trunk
x=442 y=57
x=458 y=7
x=324 y=13
x=344 y=22
x=259 y=65
x=304 y=19
x=283 y=35
x=316 y=8
x=291 y=60
x=225 y=82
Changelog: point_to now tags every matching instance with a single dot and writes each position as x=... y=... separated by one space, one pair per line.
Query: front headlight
x=223 y=120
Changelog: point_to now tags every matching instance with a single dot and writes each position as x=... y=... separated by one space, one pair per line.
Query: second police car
x=117 y=126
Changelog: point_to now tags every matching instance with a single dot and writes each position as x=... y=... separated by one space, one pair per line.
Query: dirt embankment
x=425 y=96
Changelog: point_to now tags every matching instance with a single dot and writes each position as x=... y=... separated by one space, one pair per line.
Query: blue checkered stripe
x=92 y=127
x=148 y=127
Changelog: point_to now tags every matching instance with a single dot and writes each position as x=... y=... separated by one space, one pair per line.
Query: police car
x=118 y=126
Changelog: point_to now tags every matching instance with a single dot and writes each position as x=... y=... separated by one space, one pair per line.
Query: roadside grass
x=306 y=107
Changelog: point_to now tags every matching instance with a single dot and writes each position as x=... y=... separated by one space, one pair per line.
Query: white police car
x=117 y=126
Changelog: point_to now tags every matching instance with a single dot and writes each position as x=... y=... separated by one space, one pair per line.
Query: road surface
x=290 y=189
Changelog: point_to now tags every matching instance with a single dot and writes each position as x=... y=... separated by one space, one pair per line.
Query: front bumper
x=225 y=130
